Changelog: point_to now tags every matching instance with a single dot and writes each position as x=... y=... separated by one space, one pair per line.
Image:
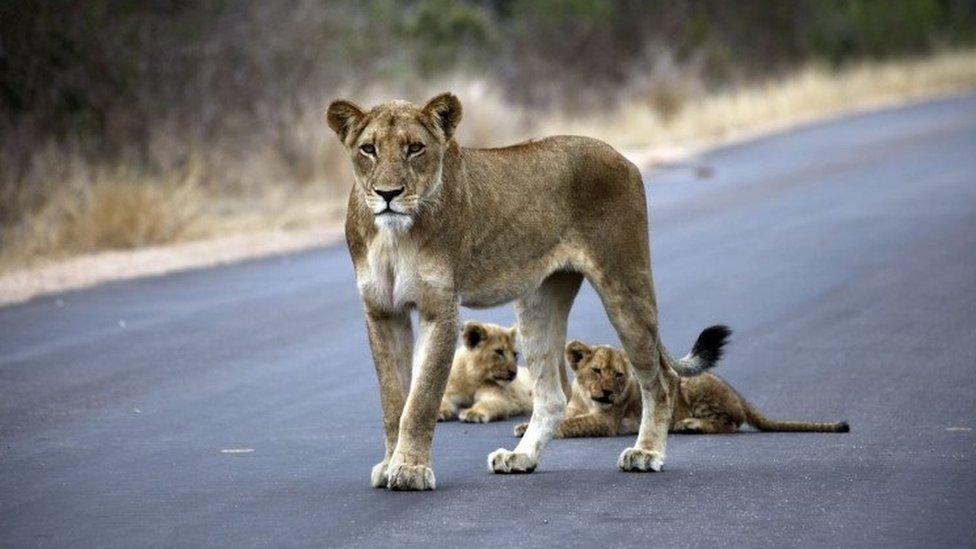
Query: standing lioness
x=432 y=225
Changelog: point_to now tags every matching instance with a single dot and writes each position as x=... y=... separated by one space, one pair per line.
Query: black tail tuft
x=843 y=427
x=710 y=342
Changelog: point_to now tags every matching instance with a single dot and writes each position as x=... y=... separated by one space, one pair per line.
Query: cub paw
x=445 y=414
x=410 y=477
x=474 y=416
x=378 y=479
x=502 y=461
x=520 y=429
x=688 y=426
x=638 y=460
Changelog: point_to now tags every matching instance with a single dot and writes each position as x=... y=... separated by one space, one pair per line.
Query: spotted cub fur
x=485 y=382
x=606 y=399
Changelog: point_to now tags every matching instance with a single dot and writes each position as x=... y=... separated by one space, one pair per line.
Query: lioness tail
x=705 y=354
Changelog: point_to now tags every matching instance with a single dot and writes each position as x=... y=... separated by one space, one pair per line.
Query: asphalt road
x=843 y=255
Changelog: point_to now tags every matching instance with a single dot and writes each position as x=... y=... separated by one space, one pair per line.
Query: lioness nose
x=389 y=195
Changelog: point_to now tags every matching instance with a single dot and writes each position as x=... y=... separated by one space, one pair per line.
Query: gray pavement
x=843 y=255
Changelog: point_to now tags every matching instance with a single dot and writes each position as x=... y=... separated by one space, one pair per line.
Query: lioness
x=485 y=378
x=606 y=399
x=431 y=225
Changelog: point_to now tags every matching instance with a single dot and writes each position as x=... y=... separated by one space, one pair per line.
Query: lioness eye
x=368 y=149
x=415 y=148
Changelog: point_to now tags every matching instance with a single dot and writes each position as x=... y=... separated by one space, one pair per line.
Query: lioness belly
x=506 y=282
x=485 y=297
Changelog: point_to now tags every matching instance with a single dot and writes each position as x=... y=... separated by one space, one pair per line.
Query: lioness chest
x=396 y=274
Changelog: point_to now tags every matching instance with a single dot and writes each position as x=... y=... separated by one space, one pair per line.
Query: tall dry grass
x=294 y=174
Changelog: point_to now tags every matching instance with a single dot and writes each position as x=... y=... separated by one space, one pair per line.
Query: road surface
x=237 y=406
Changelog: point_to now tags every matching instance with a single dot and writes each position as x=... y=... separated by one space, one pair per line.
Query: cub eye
x=500 y=352
x=596 y=370
x=620 y=375
x=368 y=149
x=515 y=355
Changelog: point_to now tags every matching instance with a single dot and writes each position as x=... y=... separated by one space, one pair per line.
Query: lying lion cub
x=606 y=399
x=485 y=378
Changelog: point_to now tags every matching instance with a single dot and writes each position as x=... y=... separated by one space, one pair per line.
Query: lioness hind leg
x=542 y=319
x=628 y=296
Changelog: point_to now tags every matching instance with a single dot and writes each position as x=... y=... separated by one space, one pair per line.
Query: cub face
x=491 y=349
x=397 y=151
x=602 y=372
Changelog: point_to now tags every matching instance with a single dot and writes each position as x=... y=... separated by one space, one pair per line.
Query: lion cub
x=485 y=378
x=606 y=399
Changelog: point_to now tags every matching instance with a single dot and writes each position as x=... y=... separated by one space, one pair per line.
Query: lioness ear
x=342 y=116
x=473 y=333
x=576 y=351
x=445 y=109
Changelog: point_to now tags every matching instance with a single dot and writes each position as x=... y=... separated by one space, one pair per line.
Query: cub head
x=397 y=152
x=602 y=372
x=492 y=352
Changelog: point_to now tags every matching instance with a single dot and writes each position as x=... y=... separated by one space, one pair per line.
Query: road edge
x=75 y=273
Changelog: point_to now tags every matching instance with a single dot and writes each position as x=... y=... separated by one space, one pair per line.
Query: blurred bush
x=229 y=93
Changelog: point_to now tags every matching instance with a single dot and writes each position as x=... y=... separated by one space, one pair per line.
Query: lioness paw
x=520 y=429
x=378 y=479
x=502 y=461
x=638 y=460
x=410 y=477
x=472 y=415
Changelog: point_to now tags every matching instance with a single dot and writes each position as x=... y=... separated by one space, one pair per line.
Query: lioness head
x=601 y=371
x=492 y=351
x=397 y=152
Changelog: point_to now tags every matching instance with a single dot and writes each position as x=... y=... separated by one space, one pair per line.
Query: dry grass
x=301 y=178
x=813 y=92
x=113 y=213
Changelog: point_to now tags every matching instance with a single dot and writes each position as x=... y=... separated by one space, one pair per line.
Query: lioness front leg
x=542 y=319
x=410 y=465
x=391 y=341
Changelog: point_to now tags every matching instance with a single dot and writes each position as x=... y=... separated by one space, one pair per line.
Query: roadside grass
x=298 y=177
x=813 y=92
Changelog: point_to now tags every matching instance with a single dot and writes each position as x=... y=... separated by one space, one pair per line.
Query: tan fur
x=486 y=383
x=702 y=404
x=482 y=227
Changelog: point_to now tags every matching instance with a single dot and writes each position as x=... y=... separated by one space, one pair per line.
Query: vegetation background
x=126 y=123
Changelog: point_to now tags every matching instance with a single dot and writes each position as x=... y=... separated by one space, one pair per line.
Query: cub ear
x=576 y=351
x=513 y=331
x=473 y=333
x=445 y=109
x=342 y=116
